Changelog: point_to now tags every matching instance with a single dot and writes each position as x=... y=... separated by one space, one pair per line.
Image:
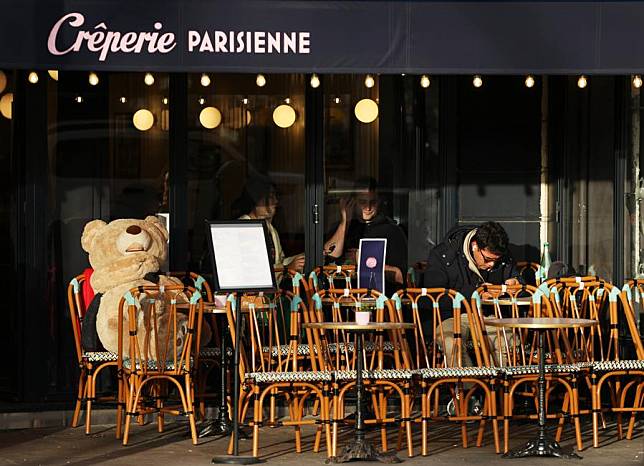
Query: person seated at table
x=467 y=258
x=259 y=199
x=361 y=217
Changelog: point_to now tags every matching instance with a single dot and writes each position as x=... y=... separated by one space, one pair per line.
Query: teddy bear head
x=124 y=250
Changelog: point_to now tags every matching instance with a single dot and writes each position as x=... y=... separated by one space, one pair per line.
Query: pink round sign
x=371 y=262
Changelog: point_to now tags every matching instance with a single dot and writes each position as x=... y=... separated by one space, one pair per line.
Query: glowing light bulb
x=424 y=81
x=53 y=74
x=637 y=81
x=93 y=79
x=122 y=100
x=529 y=81
x=148 y=79
x=337 y=100
x=165 y=101
x=78 y=99
x=245 y=101
x=369 y=82
x=201 y=101
x=477 y=81
x=287 y=100
x=33 y=77
x=260 y=80
x=582 y=82
x=205 y=80
x=315 y=81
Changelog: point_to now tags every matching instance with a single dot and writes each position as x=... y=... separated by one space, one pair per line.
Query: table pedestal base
x=541 y=446
x=215 y=427
x=363 y=450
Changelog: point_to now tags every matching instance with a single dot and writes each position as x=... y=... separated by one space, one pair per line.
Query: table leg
x=360 y=448
x=543 y=445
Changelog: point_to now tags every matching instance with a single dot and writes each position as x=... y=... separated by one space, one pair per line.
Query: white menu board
x=239 y=250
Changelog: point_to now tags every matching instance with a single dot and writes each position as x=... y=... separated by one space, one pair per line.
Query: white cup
x=363 y=317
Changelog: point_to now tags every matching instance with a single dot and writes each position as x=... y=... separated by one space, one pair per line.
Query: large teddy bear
x=125 y=254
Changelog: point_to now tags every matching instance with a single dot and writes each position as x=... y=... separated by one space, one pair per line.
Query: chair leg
x=82 y=378
x=595 y=411
x=507 y=413
x=495 y=421
x=133 y=398
x=574 y=405
x=122 y=396
x=189 y=407
x=424 y=413
x=257 y=419
x=637 y=403
x=91 y=389
x=407 y=416
x=565 y=407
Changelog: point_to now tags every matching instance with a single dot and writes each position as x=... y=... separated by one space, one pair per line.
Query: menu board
x=240 y=255
x=371 y=263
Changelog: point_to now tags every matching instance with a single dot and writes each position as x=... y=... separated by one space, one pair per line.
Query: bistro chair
x=387 y=361
x=91 y=363
x=530 y=272
x=439 y=360
x=271 y=368
x=332 y=277
x=613 y=369
x=515 y=353
x=161 y=354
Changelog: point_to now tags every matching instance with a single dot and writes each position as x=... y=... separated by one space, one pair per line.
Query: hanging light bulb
x=93 y=79
x=529 y=81
x=148 y=79
x=33 y=77
x=582 y=82
x=165 y=101
x=123 y=100
x=287 y=100
x=315 y=81
x=637 y=81
x=477 y=81
x=337 y=100
x=260 y=80
x=205 y=80
x=78 y=99
x=369 y=82
x=424 y=81
x=201 y=101
x=245 y=101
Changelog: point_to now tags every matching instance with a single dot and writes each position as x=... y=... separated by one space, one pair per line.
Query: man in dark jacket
x=468 y=258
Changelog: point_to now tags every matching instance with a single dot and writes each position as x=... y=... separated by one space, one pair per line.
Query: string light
x=424 y=81
x=148 y=79
x=260 y=80
x=477 y=81
x=582 y=82
x=33 y=77
x=529 y=81
x=205 y=80
x=637 y=81
x=123 y=100
x=315 y=81
x=93 y=79
x=201 y=101
x=165 y=101
x=78 y=99
x=369 y=82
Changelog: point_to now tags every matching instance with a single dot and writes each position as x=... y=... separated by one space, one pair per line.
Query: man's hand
x=297 y=263
x=395 y=273
x=512 y=282
x=346 y=208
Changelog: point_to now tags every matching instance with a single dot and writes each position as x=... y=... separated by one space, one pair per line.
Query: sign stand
x=240 y=254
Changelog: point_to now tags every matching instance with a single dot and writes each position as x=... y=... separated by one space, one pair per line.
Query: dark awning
x=324 y=36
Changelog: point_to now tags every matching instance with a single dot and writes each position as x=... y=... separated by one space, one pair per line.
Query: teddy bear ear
x=156 y=223
x=89 y=233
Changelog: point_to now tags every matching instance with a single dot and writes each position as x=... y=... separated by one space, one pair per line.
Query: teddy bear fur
x=122 y=253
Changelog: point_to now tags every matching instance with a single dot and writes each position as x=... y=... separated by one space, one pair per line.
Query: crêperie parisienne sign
x=103 y=41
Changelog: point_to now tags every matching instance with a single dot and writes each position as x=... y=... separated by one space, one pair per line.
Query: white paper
x=241 y=256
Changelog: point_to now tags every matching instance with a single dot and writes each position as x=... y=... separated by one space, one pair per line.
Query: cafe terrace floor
x=66 y=446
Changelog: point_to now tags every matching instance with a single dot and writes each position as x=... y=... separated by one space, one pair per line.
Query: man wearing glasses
x=466 y=259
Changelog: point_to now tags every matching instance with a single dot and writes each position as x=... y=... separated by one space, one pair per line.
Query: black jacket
x=447 y=266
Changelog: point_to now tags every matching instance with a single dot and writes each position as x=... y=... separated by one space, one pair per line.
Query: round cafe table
x=360 y=448
x=543 y=445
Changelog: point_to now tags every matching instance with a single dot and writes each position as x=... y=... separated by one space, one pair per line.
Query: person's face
x=484 y=258
x=267 y=207
x=367 y=204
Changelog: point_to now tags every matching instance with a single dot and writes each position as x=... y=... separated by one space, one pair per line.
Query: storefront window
x=243 y=136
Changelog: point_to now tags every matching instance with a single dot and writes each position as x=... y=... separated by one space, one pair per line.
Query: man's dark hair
x=365 y=184
x=492 y=236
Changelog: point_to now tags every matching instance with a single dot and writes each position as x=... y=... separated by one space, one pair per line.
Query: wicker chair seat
x=284 y=350
x=152 y=365
x=450 y=372
x=298 y=376
x=100 y=356
x=378 y=374
x=621 y=365
x=212 y=352
x=550 y=369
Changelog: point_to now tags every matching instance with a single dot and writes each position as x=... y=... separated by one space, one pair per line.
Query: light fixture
x=143 y=119
x=369 y=82
x=123 y=100
x=165 y=101
x=424 y=81
x=529 y=81
x=53 y=74
x=93 y=79
x=260 y=80
x=366 y=110
x=210 y=117
x=287 y=100
x=337 y=100
x=33 y=77
x=78 y=99
x=245 y=101
x=148 y=79
x=3 y=81
x=477 y=81
x=582 y=82
x=201 y=100
x=236 y=120
x=637 y=81
x=284 y=116
x=6 y=102
x=205 y=80
x=315 y=81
